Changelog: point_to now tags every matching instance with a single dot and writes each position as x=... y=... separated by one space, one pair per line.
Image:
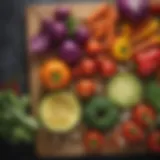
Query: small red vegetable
x=94 y=141
x=144 y=115
x=107 y=67
x=86 y=88
x=88 y=67
x=93 y=47
x=132 y=132
x=154 y=141
x=147 y=62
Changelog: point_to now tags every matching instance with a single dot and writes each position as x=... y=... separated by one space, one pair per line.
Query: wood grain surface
x=49 y=144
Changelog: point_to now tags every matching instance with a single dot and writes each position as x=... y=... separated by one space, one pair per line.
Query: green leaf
x=71 y=24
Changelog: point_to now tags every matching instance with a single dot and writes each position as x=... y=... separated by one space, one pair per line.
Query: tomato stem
x=133 y=131
x=56 y=77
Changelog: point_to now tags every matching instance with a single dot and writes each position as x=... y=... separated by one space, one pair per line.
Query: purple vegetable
x=62 y=13
x=39 y=44
x=134 y=10
x=58 y=31
x=81 y=34
x=70 y=51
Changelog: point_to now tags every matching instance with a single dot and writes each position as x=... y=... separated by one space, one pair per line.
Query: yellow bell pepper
x=122 y=49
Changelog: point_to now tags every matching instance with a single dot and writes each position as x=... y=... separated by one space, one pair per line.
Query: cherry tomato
x=154 y=141
x=132 y=132
x=86 y=87
x=107 y=67
x=93 y=47
x=94 y=141
x=144 y=115
x=88 y=67
x=55 y=74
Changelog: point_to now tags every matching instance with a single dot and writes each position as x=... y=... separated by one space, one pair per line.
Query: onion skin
x=130 y=12
x=70 y=52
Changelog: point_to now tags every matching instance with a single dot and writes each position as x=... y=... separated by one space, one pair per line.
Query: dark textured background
x=13 y=65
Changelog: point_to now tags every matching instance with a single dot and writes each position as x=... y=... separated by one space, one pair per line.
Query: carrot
x=100 y=12
x=153 y=41
x=146 y=31
x=110 y=34
x=99 y=29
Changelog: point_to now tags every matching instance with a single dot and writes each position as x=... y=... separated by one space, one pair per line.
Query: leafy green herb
x=15 y=124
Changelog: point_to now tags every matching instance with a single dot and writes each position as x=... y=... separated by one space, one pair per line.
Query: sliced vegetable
x=135 y=11
x=70 y=52
x=132 y=133
x=94 y=141
x=152 y=93
x=125 y=90
x=100 y=114
x=62 y=13
x=55 y=74
x=122 y=49
x=60 y=112
x=88 y=67
x=86 y=88
x=154 y=141
x=144 y=115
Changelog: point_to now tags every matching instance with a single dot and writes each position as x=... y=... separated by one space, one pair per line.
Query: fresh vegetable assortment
x=100 y=69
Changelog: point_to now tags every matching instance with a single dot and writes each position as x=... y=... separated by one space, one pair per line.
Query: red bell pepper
x=148 y=61
x=154 y=141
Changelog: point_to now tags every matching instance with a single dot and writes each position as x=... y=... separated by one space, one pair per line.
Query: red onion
x=134 y=10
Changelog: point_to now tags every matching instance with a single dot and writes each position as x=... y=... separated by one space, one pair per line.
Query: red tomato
x=132 y=133
x=94 y=141
x=88 y=67
x=144 y=115
x=107 y=67
x=93 y=47
x=154 y=141
x=86 y=87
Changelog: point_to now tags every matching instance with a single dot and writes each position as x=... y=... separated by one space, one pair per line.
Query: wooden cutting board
x=49 y=144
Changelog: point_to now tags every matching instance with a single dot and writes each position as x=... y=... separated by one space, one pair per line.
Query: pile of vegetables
x=101 y=68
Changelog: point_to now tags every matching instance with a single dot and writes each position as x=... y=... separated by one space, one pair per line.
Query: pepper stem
x=93 y=143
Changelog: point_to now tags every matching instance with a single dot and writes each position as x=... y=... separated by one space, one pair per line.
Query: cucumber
x=60 y=112
x=125 y=90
